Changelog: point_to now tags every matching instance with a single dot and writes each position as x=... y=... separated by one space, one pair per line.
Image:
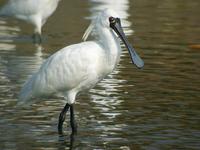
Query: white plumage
x=80 y=67
x=77 y=67
x=35 y=12
x=72 y=69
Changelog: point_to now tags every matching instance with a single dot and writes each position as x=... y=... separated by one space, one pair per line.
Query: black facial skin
x=115 y=24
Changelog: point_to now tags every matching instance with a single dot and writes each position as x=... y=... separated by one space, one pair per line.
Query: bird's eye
x=112 y=20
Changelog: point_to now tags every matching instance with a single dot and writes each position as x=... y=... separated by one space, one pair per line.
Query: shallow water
x=157 y=107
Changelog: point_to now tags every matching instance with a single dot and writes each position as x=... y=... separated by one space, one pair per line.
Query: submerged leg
x=62 y=118
x=72 y=120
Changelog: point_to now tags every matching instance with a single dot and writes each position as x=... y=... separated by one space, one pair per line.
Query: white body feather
x=35 y=12
x=75 y=68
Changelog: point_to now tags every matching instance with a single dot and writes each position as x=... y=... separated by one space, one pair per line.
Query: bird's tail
x=26 y=93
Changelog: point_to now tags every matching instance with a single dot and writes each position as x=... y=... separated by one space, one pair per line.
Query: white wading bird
x=35 y=12
x=80 y=67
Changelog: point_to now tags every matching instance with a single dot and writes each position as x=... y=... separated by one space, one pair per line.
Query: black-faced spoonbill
x=35 y=12
x=80 y=67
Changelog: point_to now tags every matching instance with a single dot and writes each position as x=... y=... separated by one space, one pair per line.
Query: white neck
x=111 y=44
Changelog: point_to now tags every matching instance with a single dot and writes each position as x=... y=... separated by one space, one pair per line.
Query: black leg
x=72 y=139
x=72 y=120
x=62 y=118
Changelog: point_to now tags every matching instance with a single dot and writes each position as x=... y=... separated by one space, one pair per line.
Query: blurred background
x=157 y=107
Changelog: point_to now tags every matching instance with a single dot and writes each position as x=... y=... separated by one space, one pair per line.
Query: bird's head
x=109 y=19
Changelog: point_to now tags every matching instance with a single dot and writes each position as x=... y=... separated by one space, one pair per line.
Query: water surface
x=154 y=108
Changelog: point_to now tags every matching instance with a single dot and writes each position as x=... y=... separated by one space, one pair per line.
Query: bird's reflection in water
x=105 y=95
x=10 y=32
x=120 y=6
